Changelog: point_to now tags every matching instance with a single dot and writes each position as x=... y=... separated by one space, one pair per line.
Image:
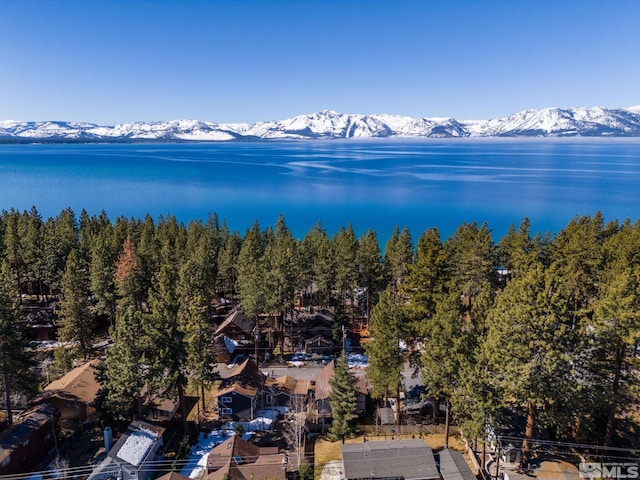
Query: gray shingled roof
x=408 y=459
x=453 y=466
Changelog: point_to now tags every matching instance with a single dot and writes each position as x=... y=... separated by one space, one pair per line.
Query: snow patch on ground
x=196 y=462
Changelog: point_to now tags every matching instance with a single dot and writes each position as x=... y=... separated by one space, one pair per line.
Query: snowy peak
x=558 y=122
x=329 y=124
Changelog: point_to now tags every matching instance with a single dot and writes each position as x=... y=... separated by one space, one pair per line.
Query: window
x=227 y=411
x=226 y=399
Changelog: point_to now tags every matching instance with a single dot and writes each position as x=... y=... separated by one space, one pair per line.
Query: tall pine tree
x=343 y=400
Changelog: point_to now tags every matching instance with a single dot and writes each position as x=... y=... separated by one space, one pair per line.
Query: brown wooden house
x=73 y=395
x=30 y=440
x=237 y=459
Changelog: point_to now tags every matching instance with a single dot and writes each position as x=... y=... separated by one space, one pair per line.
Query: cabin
x=237 y=326
x=239 y=396
x=73 y=395
x=30 y=441
x=282 y=391
x=137 y=450
x=235 y=332
x=320 y=345
x=397 y=459
x=238 y=459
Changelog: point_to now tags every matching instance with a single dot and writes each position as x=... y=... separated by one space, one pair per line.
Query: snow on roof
x=135 y=448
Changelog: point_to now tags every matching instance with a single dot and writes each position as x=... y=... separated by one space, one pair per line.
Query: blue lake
x=375 y=184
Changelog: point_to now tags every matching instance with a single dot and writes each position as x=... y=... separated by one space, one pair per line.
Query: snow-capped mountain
x=328 y=124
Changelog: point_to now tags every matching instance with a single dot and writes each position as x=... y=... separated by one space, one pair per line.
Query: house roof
x=249 y=369
x=247 y=391
x=80 y=383
x=453 y=466
x=408 y=459
x=136 y=442
x=243 y=460
x=236 y=320
x=21 y=430
x=245 y=379
x=323 y=385
x=386 y=415
x=234 y=446
x=319 y=339
x=172 y=476
x=289 y=384
x=319 y=320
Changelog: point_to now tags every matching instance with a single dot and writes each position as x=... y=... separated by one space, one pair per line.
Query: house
x=137 y=450
x=172 y=476
x=237 y=459
x=283 y=390
x=310 y=325
x=397 y=459
x=240 y=394
x=30 y=440
x=320 y=345
x=453 y=466
x=323 y=391
x=234 y=333
x=73 y=395
x=320 y=322
x=236 y=326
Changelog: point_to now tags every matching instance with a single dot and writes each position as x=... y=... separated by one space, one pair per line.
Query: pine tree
x=227 y=282
x=168 y=364
x=16 y=363
x=398 y=255
x=518 y=251
x=123 y=372
x=470 y=262
x=427 y=280
x=102 y=273
x=370 y=275
x=13 y=247
x=251 y=273
x=193 y=319
x=616 y=328
x=251 y=280
x=527 y=348
x=345 y=250
x=75 y=312
x=343 y=400
x=59 y=238
x=385 y=357
x=282 y=276
x=318 y=263
x=128 y=273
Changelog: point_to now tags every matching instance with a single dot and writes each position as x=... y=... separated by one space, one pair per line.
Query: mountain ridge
x=329 y=124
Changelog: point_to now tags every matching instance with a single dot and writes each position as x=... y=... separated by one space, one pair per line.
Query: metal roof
x=409 y=459
x=453 y=466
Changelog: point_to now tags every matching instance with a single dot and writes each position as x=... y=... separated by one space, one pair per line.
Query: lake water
x=374 y=184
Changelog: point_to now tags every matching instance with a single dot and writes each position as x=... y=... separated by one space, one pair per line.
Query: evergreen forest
x=546 y=324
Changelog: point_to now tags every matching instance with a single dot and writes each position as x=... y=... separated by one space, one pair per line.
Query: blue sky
x=117 y=61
